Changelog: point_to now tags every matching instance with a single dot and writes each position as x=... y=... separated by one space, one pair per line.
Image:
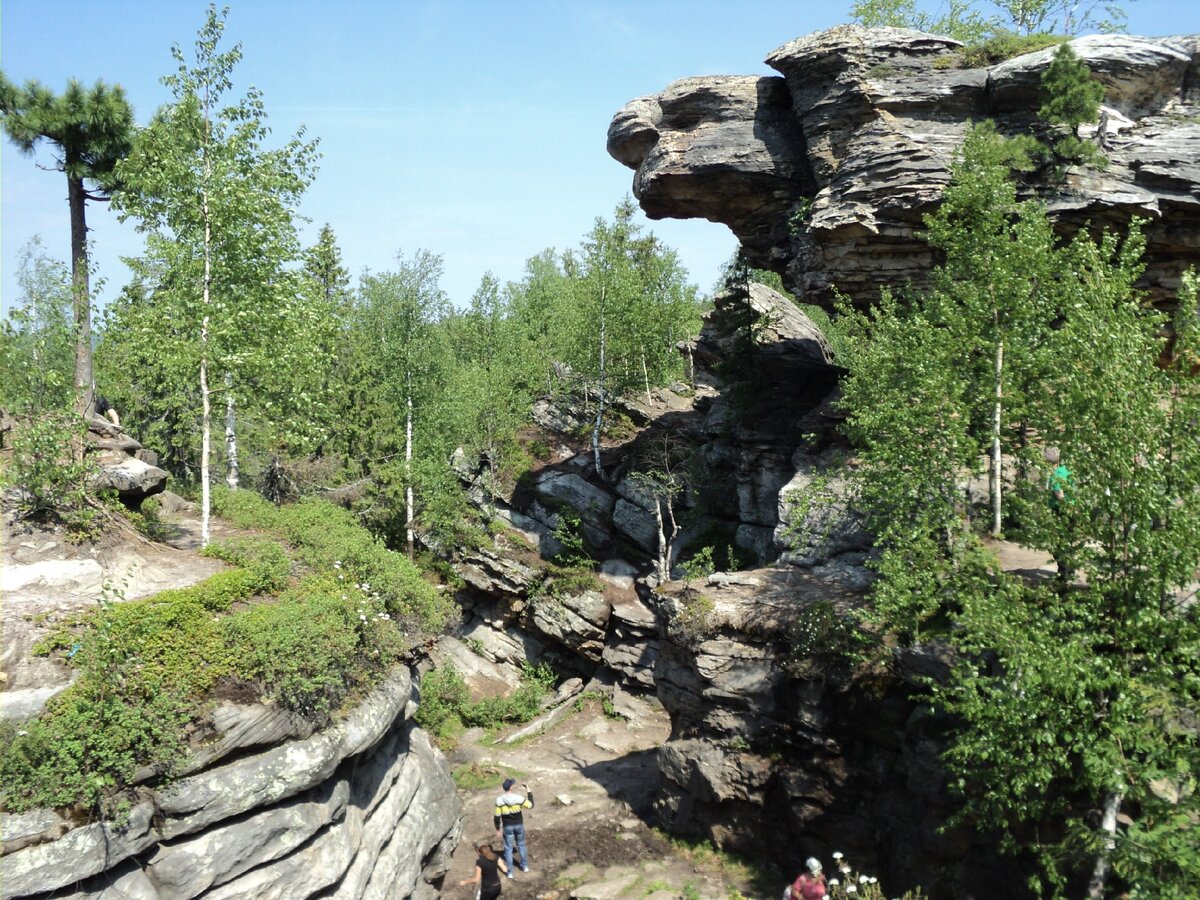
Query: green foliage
x=476 y=775
x=37 y=352
x=446 y=707
x=315 y=644
x=820 y=637
x=327 y=537
x=569 y=534
x=698 y=566
x=1066 y=696
x=693 y=617
x=52 y=483
x=1004 y=45
x=265 y=559
x=965 y=20
x=221 y=298
x=1070 y=98
x=91 y=129
x=145 y=667
x=142 y=667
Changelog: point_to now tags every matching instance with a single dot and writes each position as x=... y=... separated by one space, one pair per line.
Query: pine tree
x=91 y=129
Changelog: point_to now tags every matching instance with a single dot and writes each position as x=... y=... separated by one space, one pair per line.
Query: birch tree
x=217 y=207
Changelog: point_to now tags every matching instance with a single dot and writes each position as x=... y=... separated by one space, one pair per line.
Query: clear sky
x=475 y=129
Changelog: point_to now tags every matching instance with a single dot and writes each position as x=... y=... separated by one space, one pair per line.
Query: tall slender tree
x=217 y=208
x=91 y=129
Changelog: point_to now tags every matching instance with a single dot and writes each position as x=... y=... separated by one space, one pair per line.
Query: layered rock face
x=364 y=808
x=824 y=173
x=780 y=749
x=123 y=464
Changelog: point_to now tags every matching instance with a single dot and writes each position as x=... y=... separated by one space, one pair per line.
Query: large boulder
x=825 y=173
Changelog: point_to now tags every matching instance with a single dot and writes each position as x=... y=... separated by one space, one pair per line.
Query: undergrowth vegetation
x=447 y=708
x=307 y=625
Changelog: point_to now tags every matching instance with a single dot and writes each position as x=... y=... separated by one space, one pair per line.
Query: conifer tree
x=91 y=129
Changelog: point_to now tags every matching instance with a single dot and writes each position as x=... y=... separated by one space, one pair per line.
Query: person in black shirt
x=487 y=872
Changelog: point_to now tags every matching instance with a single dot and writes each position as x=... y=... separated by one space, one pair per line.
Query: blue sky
x=475 y=130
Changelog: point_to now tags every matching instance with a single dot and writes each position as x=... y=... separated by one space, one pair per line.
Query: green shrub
x=327 y=537
x=1005 y=45
x=446 y=705
x=143 y=667
x=52 y=483
x=314 y=645
x=693 y=620
x=265 y=558
x=444 y=693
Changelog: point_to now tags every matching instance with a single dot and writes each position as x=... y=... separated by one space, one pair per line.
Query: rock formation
x=123 y=464
x=825 y=172
x=363 y=808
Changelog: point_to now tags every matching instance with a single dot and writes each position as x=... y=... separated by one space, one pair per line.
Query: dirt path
x=593 y=779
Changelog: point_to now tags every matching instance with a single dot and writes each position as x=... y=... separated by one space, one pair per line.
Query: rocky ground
x=593 y=777
x=47 y=579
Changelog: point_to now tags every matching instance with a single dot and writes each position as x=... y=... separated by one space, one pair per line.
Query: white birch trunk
x=205 y=399
x=997 y=461
x=232 y=476
x=408 y=491
x=1112 y=805
x=646 y=378
x=664 y=549
x=599 y=391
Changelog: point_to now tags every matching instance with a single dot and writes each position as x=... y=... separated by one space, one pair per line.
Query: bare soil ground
x=589 y=835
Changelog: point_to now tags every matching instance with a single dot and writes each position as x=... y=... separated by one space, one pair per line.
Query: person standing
x=809 y=885
x=510 y=822
x=487 y=872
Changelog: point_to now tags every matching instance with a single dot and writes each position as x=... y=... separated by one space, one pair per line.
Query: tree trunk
x=205 y=423
x=1112 y=805
x=408 y=491
x=997 y=461
x=599 y=392
x=664 y=550
x=205 y=399
x=231 y=451
x=646 y=378
x=81 y=302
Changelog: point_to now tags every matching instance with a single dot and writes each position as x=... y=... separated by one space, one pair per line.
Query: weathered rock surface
x=824 y=174
x=365 y=807
x=764 y=757
x=125 y=466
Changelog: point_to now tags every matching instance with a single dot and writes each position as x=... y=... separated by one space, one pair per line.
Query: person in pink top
x=809 y=885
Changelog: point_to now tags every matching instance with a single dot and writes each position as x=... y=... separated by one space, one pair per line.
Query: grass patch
x=1005 y=45
x=478 y=775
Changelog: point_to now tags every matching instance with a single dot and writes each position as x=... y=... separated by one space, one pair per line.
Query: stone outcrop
x=123 y=464
x=365 y=807
x=765 y=757
x=825 y=172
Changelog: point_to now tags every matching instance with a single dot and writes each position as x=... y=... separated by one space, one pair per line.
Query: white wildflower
x=337 y=563
x=838 y=854
x=833 y=882
x=851 y=889
x=862 y=879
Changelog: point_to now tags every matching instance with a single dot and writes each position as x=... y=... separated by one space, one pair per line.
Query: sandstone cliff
x=824 y=172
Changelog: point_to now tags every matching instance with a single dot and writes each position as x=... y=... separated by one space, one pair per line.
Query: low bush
x=314 y=645
x=446 y=705
x=326 y=536
x=52 y=484
x=143 y=668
